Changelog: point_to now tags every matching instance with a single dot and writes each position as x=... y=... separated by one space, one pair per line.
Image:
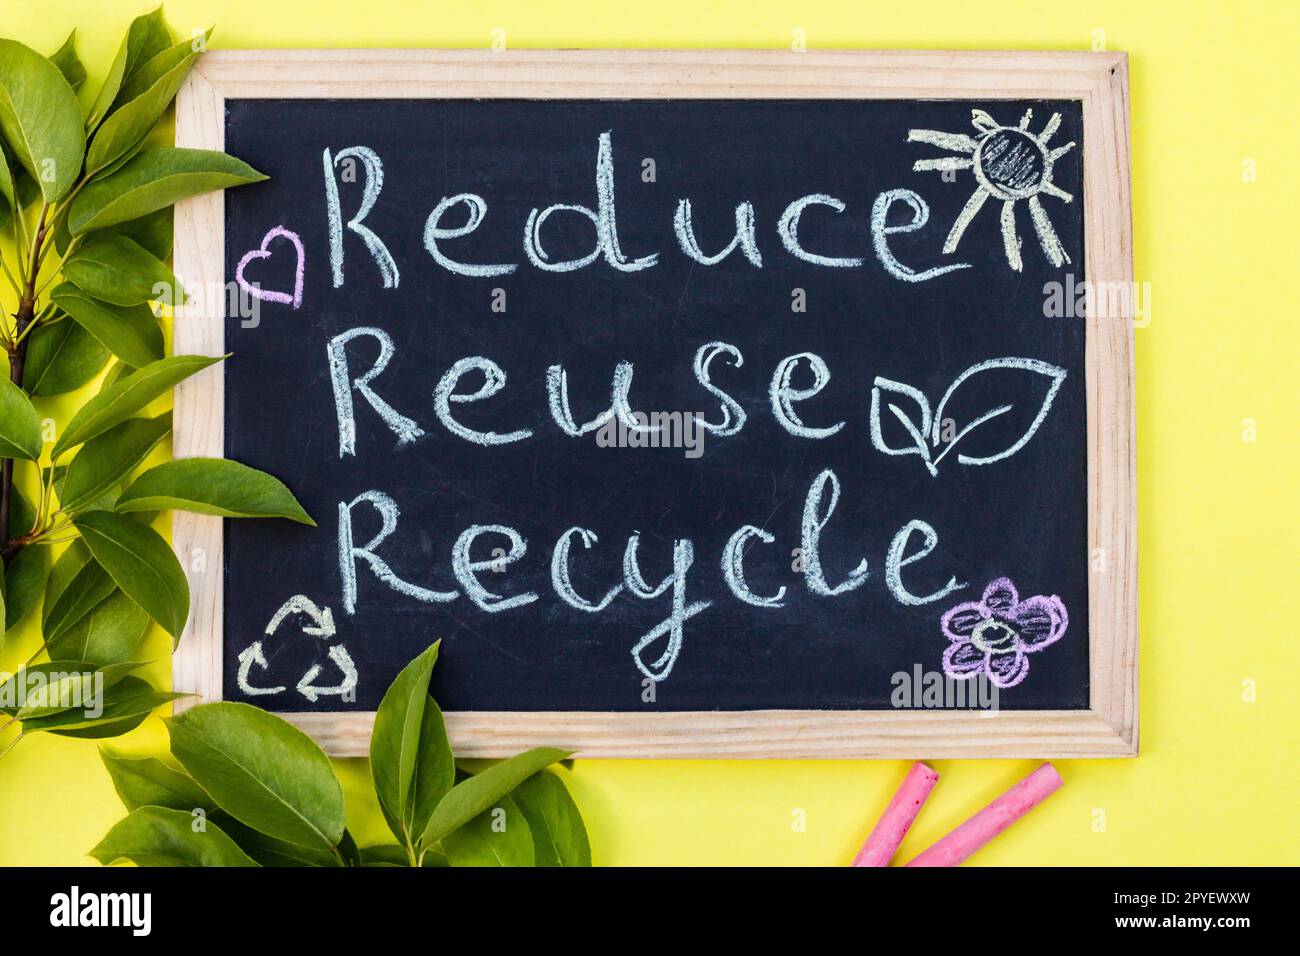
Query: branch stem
x=17 y=349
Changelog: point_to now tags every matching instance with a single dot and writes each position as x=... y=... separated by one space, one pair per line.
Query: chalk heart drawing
x=264 y=252
x=994 y=635
x=319 y=622
x=1010 y=164
x=927 y=433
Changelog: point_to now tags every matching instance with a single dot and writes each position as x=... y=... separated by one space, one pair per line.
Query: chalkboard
x=665 y=405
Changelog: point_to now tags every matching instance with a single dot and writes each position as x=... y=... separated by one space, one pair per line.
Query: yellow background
x=1214 y=88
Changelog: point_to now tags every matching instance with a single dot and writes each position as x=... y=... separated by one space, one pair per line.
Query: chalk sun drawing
x=1010 y=164
x=264 y=252
x=928 y=434
x=994 y=635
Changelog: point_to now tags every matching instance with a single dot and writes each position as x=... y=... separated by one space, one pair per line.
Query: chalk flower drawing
x=1010 y=164
x=994 y=634
x=928 y=433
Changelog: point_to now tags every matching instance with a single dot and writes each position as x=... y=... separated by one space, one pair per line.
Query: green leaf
x=107 y=459
x=109 y=170
x=61 y=357
x=261 y=770
x=559 y=835
x=72 y=685
x=24 y=581
x=115 y=371
x=385 y=854
x=120 y=271
x=144 y=98
x=146 y=38
x=140 y=562
x=127 y=396
x=62 y=238
x=130 y=333
x=20 y=426
x=349 y=850
x=6 y=180
x=26 y=191
x=76 y=585
x=128 y=698
x=108 y=633
x=7 y=201
x=212 y=486
x=497 y=837
x=147 y=781
x=153 y=232
x=22 y=515
x=157 y=836
x=69 y=64
x=106 y=501
x=410 y=758
x=152 y=180
x=160 y=64
x=102 y=502
x=268 y=851
x=53 y=673
x=99 y=730
x=481 y=792
x=392 y=855
x=40 y=119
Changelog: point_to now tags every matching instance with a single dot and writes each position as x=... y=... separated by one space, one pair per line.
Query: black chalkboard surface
x=906 y=494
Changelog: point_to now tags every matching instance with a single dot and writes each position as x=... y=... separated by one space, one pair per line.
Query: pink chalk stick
x=898 y=817
x=993 y=819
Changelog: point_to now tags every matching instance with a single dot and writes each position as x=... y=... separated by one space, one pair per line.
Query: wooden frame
x=1099 y=80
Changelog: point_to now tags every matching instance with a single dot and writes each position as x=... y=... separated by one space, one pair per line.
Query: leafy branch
x=253 y=790
x=85 y=199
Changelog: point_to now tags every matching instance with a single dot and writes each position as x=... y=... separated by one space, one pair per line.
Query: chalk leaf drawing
x=264 y=252
x=927 y=428
x=1010 y=163
x=995 y=635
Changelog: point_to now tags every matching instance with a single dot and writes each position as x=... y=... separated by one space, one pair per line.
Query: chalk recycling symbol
x=318 y=622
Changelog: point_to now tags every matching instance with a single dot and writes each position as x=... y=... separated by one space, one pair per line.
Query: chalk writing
x=811 y=388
